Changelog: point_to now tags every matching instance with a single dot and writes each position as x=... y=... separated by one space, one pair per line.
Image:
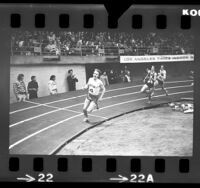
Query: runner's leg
x=144 y=88
x=154 y=86
x=85 y=107
x=151 y=90
x=91 y=107
x=163 y=88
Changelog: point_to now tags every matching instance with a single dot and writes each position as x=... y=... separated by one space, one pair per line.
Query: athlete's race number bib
x=93 y=90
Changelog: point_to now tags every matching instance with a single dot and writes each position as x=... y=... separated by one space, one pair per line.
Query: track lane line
x=61 y=100
x=85 y=94
x=47 y=113
x=42 y=130
x=53 y=125
x=65 y=108
x=13 y=112
x=34 y=117
x=83 y=113
x=145 y=98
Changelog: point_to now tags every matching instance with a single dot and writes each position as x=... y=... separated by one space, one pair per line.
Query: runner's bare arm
x=155 y=77
x=87 y=85
x=103 y=91
x=145 y=78
x=164 y=76
x=107 y=81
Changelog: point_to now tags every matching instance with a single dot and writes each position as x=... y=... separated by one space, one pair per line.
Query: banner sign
x=37 y=49
x=51 y=58
x=121 y=51
x=156 y=58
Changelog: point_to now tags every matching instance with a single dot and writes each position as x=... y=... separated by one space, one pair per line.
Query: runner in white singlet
x=162 y=75
x=96 y=91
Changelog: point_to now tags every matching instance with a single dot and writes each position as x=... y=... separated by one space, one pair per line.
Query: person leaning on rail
x=19 y=88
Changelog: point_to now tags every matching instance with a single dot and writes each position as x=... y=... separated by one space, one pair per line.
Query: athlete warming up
x=161 y=79
x=96 y=91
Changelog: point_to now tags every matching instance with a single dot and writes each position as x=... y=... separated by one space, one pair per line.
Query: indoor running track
x=43 y=125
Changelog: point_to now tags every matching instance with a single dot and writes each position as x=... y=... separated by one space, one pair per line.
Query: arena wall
x=32 y=60
x=174 y=69
x=83 y=68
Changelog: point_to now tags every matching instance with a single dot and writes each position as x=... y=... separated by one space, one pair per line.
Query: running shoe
x=149 y=102
x=86 y=120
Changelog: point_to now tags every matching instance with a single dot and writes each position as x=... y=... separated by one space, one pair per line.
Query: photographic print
x=101 y=93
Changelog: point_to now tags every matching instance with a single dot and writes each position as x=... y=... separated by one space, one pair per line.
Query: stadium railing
x=99 y=51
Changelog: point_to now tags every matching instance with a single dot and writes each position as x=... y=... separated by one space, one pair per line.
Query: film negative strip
x=89 y=98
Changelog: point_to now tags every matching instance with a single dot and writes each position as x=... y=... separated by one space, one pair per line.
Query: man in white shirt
x=96 y=91
x=52 y=85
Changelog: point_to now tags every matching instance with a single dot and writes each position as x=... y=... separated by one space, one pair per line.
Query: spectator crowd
x=118 y=75
x=99 y=43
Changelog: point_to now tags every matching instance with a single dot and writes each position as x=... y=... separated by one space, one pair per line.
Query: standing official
x=33 y=88
x=71 y=80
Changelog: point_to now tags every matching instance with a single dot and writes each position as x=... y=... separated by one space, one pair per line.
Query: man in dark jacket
x=71 y=80
x=33 y=88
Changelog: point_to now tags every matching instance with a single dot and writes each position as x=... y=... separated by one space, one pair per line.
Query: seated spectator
x=51 y=47
x=104 y=79
x=33 y=88
x=19 y=88
x=71 y=80
x=51 y=37
x=52 y=85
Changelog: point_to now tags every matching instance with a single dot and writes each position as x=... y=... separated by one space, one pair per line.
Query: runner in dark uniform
x=151 y=83
x=148 y=86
